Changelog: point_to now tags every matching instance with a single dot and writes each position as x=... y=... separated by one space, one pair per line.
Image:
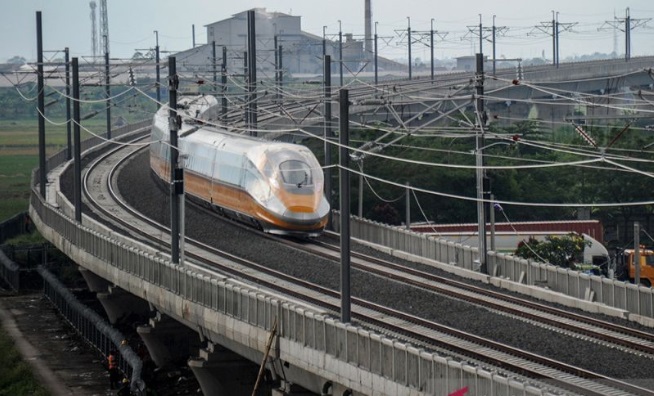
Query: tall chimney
x=367 y=46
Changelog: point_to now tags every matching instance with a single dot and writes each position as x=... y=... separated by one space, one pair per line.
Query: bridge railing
x=636 y=299
x=399 y=365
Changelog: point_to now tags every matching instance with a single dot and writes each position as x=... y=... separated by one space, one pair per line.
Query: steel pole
x=41 y=103
x=173 y=83
x=431 y=50
x=77 y=150
x=223 y=82
x=344 y=175
x=409 y=45
x=252 y=70
x=376 y=64
x=214 y=65
x=69 y=124
x=327 y=76
x=407 y=209
x=636 y=253
x=479 y=161
x=107 y=91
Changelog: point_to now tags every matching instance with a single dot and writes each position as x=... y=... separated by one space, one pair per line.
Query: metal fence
x=11 y=228
x=636 y=299
x=92 y=327
x=14 y=226
x=9 y=271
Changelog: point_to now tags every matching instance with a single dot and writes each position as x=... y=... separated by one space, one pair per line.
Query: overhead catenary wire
x=294 y=95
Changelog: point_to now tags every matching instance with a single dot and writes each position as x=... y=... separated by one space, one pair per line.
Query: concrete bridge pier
x=118 y=304
x=222 y=372
x=168 y=340
x=94 y=282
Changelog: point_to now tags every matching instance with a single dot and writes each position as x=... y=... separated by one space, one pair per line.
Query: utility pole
x=376 y=64
x=246 y=82
x=422 y=37
x=280 y=81
x=626 y=25
x=104 y=30
x=252 y=71
x=479 y=161
x=486 y=33
x=636 y=253
x=481 y=36
x=223 y=81
x=40 y=103
x=78 y=157
x=556 y=34
x=327 y=76
x=340 y=50
x=494 y=55
x=344 y=175
x=214 y=62
x=107 y=88
x=554 y=28
x=555 y=38
x=408 y=32
x=491 y=212
x=360 y=212
x=173 y=126
x=157 y=59
x=407 y=209
x=431 y=49
x=277 y=93
x=324 y=42
x=68 y=121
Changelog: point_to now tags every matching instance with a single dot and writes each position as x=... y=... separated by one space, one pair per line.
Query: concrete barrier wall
x=636 y=299
x=350 y=355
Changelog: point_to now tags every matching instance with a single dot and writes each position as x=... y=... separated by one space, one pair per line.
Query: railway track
x=577 y=325
x=101 y=194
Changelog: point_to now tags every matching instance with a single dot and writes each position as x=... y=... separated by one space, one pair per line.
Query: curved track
x=102 y=196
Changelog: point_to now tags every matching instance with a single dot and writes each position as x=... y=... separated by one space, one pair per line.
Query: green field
x=19 y=156
x=15 y=374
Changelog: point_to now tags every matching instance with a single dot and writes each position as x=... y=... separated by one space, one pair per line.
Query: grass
x=16 y=377
x=18 y=156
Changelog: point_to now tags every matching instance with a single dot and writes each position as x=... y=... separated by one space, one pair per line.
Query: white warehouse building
x=301 y=52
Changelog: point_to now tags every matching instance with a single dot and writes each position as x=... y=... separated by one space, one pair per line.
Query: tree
x=385 y=213
x=560 y=250
x=17 y=60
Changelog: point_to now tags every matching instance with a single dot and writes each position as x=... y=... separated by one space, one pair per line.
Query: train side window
x=229 y=167
x=203 y=158
x=254 y=184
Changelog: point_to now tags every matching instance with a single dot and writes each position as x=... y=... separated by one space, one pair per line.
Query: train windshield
x=296 y=172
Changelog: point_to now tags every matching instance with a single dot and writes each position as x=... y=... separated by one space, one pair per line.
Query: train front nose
x=306 y=209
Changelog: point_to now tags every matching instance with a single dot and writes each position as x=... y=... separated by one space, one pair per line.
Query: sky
x=586 y=25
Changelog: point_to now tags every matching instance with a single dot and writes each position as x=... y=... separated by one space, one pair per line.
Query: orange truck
x=627 y=269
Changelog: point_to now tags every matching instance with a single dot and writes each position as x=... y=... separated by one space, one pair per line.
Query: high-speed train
x=275 y=186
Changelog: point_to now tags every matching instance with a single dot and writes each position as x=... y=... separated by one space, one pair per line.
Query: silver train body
x=275 y=186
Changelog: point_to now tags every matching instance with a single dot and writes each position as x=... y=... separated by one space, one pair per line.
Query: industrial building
x=301 y=52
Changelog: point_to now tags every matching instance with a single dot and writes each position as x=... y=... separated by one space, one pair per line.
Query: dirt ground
x=62 y=361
